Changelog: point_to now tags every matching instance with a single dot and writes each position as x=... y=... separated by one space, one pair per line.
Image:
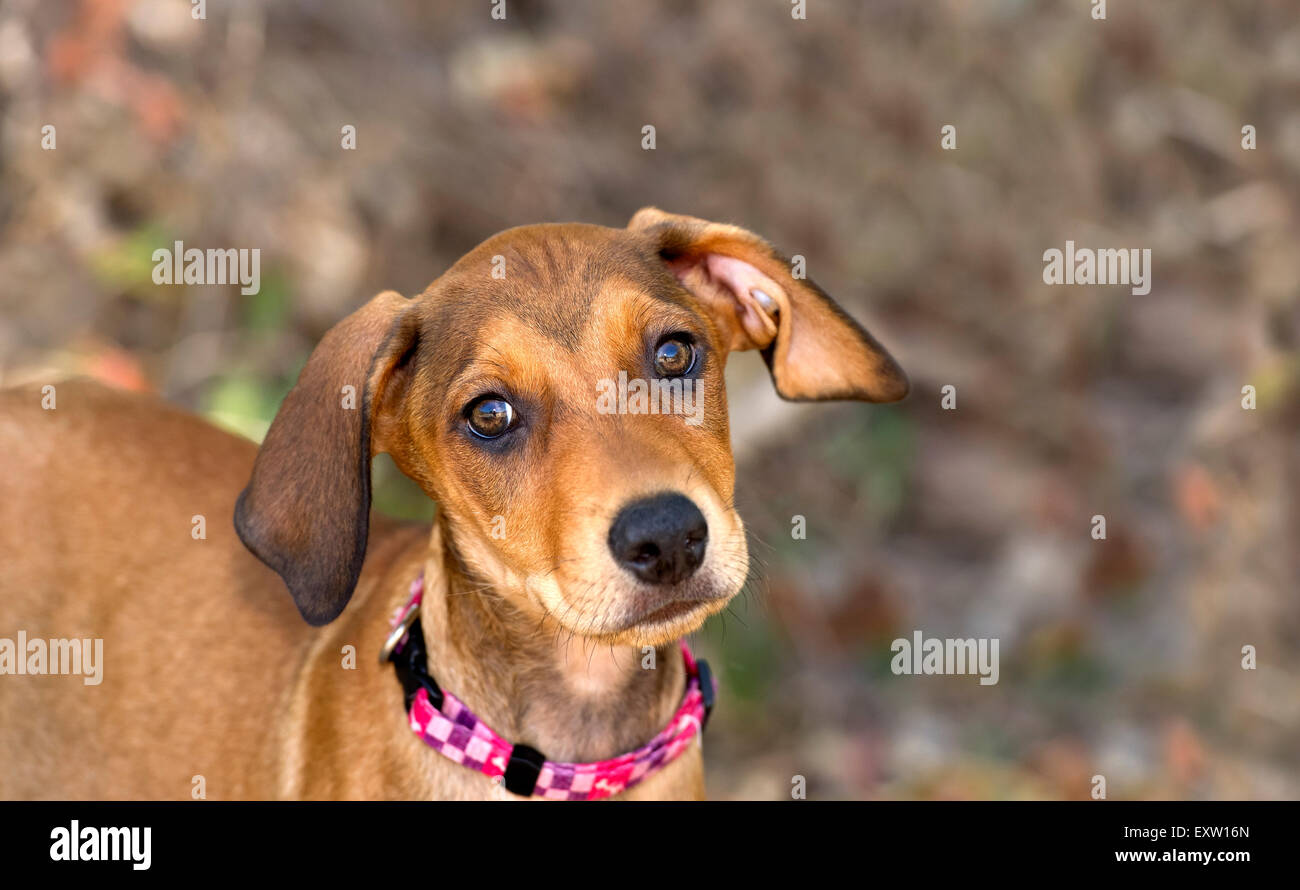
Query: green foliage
x=244 y=404
x=873 y=452
x=752 y=656
x=127 y=264
x=268 y=311
x=394 y=494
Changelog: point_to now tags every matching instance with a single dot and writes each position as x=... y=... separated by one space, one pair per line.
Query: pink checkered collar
x=444 y=723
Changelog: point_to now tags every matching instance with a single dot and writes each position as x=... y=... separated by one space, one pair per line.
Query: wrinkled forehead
x=547 y=295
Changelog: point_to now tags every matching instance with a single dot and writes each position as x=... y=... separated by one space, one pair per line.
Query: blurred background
x=1119 y=657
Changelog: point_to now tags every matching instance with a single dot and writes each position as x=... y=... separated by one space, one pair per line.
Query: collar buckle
x=523 y=769
x=708 y=692
x=401 y=629
x=411 y=664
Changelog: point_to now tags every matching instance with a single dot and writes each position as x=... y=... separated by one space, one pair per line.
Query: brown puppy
x=569 y=535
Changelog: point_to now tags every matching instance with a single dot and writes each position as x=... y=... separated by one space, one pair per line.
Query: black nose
x=660 y=539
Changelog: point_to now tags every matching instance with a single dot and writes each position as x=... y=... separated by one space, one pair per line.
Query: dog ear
x=306 y=509
x=813 y=349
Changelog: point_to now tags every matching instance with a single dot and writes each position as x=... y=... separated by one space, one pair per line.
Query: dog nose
x=660 y=539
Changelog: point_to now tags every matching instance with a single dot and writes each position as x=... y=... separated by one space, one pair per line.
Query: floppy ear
x=306 y=509
x=812 y=348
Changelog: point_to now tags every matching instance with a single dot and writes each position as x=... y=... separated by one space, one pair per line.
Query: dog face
x=617 y=524
x=559 y=391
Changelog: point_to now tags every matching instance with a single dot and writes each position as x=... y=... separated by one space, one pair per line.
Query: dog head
x=559 y=391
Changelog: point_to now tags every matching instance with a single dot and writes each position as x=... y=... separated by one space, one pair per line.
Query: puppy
x=559 y=392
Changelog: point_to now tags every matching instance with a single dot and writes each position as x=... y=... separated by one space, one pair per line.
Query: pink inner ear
x=758 y=298
x=755 y=299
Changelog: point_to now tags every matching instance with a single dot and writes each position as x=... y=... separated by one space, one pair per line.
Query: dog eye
x=674 y=357
x=490 y=417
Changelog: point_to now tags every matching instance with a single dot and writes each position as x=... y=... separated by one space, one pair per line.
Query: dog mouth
x=680 y=615
x=669 y=612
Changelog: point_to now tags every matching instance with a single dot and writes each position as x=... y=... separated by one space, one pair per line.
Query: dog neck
x=533 y=681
